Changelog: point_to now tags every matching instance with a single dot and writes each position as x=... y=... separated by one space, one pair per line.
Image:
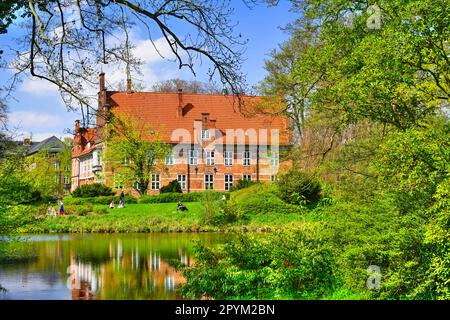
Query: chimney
x=180 y=103
x=101 y=80
x=129 y=86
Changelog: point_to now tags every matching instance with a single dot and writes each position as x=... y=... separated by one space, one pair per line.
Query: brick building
x=216 y=140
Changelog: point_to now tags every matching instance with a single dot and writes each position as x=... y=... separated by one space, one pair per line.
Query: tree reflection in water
x=131 y=266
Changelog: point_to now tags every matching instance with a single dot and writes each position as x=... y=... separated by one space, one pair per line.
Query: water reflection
x=132 y=266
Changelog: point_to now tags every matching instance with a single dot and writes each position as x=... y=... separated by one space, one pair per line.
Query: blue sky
x=38 y=109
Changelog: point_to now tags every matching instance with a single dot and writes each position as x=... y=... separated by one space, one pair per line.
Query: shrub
x=172 y=187
x=92 y=190
x=175 y=197
x=212 y=204
x=105 y=200
x=259 y=199
x=242 y=184
x=291 y=264
x=296 y=187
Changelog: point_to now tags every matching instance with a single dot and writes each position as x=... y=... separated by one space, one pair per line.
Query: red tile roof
x=160 y=111
x=83 y=141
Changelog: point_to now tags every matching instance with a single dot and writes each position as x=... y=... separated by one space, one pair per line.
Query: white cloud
x=38 y=87
x=33 y=119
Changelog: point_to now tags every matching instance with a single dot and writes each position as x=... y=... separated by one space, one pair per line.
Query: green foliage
x=46 y=171
x=412 y=163
x=259 y=199
x=173 y=187
x=14 y=187
x=438 y=242
x=299 y=188
x=92 y=190
x=242 y=184
x=103 y=200
x=175 y=197
x=292 y=264
x=212 y=203
x=130 y=153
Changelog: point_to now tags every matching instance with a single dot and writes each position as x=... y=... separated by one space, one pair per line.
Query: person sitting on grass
x=120 y=206
x=112 y=205
x=181 y=207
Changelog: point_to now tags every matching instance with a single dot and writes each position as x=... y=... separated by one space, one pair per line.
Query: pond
x=98 y=266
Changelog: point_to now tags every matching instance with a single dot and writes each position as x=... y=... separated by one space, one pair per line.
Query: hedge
x=106 y=200
x=175 y=197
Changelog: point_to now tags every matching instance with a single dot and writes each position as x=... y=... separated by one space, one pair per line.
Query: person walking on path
x=61 y=208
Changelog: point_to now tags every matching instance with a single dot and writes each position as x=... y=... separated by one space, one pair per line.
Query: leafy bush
x=173 y=187
x=92 y=190
x=105 y=200
x=292 y=264
x=175 y=197
x=296 y=187
x=242 y=184
x=259 y=199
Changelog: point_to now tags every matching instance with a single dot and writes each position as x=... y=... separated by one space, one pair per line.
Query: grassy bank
x=151 y=217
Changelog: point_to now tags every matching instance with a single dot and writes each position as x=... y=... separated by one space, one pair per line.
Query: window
x=228 y=158
x=155 y=182
x=247 y=177
x=86 y=167
x=56 y=178
x=205 y=134
x=193 y=157
x=246 y=158
x=273 y=177
x=66 y=168
x=274 y=159
x=169 y=159
x=66 y=180
x=56 y=165
x=209 y=182
x=182 y=181
x=209 y=158
x=228 y=181
x=66 y=192
x=125 y=161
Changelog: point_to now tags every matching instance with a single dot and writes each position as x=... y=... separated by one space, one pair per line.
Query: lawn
x=153 y=217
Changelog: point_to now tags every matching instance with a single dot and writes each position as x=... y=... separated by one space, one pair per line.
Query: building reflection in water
x=127 y=273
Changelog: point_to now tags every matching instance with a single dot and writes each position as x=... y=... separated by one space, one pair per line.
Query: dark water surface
x=98 y=266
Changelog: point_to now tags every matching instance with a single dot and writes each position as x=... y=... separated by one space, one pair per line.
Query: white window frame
x=228 y=158
x=193 y=157
x=228 y=183
x=210 y=157
x=66 y=180
x=56 y=165
x=247 y=158
x=209 y=182
x=155 y=181
x=274 y=159
x=247 y=177
x=206 y=135
x=182 y=180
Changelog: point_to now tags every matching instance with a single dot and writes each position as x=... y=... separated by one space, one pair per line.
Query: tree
x=68 y=41
x=173 y=85
x=132 y=151
x=46 y=171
